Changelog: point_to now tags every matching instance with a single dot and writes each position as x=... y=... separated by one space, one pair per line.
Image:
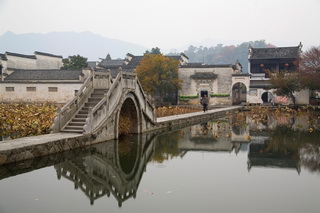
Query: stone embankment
x=20 y=149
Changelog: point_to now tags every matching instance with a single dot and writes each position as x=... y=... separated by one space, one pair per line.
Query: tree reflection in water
x=278 y=139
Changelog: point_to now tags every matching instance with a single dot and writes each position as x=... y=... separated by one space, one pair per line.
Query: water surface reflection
x=199 y=168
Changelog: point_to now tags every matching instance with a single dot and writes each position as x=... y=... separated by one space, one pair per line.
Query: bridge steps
x=76 y=124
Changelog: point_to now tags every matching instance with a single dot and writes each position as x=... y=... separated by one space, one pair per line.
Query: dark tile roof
x=21 y=55
x=182 y=54
x=92 y=64
x=260 y=84
x=135 y=61
x=3 y=57
x=38 y=75
x=194 y=64
x=274 y=53
x=129 y=54
x=174 y=57
x=106 y=63
x=47 y=54
x=204 y=75
x=241 y=74
x=115 y=71
x=199 y=65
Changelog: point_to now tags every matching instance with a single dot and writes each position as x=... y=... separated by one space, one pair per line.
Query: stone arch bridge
x=101 y=101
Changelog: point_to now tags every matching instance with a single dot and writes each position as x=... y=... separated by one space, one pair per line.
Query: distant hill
x=220 y=54
x=86 y=44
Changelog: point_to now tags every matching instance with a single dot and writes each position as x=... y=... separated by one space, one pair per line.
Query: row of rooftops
x=132 y=61
x=254 y=53
x=4 y=56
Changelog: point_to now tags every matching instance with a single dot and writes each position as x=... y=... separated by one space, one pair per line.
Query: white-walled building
x=272 y=59
x=214 y=81
x=32 y=86
x=37 y=78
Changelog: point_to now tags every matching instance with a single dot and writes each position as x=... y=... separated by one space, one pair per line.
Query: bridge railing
x=108 y=105
x=102 y=110
x=102 y=80
x=148 y=108
x=68 y=110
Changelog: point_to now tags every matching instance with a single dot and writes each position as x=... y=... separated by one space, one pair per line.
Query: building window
x=31 y=89
x=10 y=89
x=53 y=89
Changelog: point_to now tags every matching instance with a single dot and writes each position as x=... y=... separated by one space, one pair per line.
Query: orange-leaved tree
x=159 y=77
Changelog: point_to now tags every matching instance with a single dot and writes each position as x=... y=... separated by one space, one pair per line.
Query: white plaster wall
x=21 y=62
x=20 y=94
x=302 y=97
x=224 y=80
x=221 y=85
x=255 y=98
x=47 y=62
x=187 y=86
x=4 y=64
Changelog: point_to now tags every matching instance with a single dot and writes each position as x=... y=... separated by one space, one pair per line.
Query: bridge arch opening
x=128 y=118
x=128 y=154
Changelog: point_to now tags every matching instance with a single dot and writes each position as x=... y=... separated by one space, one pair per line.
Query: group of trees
x=159 y=76
x=220 y=54
x=74 y=62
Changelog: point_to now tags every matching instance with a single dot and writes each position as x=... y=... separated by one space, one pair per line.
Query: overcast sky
x=170 y=24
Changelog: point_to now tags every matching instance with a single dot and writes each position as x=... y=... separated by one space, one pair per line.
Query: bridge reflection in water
x=117 y=167
x=111 y=168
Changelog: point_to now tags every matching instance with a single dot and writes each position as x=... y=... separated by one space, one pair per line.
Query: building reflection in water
x=215 y=136
x=117 y=167
x=284 y=140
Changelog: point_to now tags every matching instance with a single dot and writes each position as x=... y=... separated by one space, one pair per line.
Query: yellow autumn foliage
x=21 y=120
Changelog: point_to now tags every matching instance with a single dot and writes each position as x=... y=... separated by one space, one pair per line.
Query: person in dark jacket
x=204 y=102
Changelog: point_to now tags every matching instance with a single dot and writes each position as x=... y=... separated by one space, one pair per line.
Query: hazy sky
x=170 y=24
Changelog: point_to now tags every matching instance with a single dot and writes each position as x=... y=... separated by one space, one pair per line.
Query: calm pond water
x=271 y=165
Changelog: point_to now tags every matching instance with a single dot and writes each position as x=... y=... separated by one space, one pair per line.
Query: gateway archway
x=239 y=93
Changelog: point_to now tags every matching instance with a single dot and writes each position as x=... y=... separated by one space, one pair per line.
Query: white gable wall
x=21 y=62
x=48 y=62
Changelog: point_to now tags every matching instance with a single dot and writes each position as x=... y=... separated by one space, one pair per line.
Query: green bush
x=183 y=99
x=219 y=95
x=188 y=96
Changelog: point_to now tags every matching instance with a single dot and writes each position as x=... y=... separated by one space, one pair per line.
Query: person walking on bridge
x=204 y=102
